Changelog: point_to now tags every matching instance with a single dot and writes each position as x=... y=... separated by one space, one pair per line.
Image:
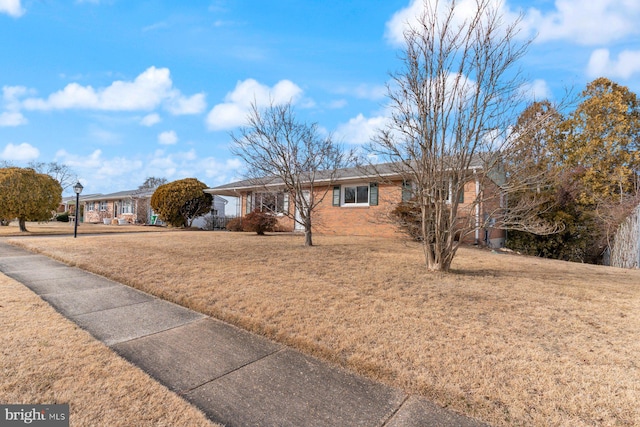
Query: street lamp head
x=78 y=188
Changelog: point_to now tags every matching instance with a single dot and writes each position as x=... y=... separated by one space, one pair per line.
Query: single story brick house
x=131 y=207
x=359 y=202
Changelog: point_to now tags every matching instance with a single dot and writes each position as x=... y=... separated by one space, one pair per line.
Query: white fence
x=625 y=251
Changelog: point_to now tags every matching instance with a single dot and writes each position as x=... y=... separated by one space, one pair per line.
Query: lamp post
x=78 y=189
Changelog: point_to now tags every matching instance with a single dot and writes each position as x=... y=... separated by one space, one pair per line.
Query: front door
x=298 y=226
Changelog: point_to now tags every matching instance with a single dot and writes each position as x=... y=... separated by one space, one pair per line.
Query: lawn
x=507 y=339
x=67 y=228
x=47 y=359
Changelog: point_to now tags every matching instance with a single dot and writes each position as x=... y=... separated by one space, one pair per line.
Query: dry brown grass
x=66 y=228
x=507 y=339
x=46 y=359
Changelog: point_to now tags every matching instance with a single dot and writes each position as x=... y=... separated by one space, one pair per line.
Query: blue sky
x=122 y=90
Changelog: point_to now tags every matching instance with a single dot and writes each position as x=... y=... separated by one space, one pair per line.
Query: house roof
x=382 y=170
x=126 y=194
x=118 y=195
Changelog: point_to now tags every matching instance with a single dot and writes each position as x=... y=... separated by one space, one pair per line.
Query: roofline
x=233 y=191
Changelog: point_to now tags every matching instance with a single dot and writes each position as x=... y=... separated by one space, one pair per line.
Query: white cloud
x=148 y=91
x=168 y=138
x=181 y=105
x=360 y=130
x=593 y=22
x=102 y=174
x=365 y=91
x=150 y=120
x=11 y=8
x=19 y=153
x=338 y=104
x=104 y=136
x=12 y=119
x=233 y=112
x=144 y=93
x=10 y=94
x=536 y=90
x=464 y=10
x=601 y=64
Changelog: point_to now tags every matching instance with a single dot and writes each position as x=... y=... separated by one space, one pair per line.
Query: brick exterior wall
x=347 y=220
x=140 y=209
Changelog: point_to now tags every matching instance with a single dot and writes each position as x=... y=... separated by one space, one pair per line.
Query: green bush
x=179 y=202
x=62 y=217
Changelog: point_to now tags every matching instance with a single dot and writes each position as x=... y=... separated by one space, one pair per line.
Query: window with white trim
x=270 y=202
x=90 y=206
x=103 y=206
x=126 y=206
x=359 y=194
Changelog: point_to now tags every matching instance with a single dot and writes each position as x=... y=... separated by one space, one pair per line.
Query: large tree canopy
x=592 y=162
x=27 y=195
x=602 y=142
x=179 y=202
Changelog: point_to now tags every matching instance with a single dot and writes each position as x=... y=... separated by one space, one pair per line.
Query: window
x=126 y=207
x=407 y=191
x=268 y=202
x=103 y=206
x=357 y=195
x=90 y=206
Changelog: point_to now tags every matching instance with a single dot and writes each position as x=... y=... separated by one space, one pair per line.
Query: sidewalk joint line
x=393 y=414
x=184 y=392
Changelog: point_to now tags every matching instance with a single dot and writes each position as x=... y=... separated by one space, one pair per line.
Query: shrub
x=408 y=217
x=62 y=217
x=235 y=224
x=260 y=222
x=179 y=202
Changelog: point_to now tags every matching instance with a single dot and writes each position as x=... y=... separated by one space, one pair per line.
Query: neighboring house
x=68 y=204
x=134 y=207
x=212 y=219
x=130 y=206
x=359 y=202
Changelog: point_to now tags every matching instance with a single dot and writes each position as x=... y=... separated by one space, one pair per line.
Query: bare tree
x=152 y=182
x=284 y=153
x=452 y=105
x=60 y=172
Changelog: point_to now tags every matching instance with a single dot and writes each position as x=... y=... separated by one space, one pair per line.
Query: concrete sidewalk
x=235 y=377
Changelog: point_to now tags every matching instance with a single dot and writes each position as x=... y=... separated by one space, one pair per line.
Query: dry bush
x=234 y=224
x=259 y=222
x=508 y=339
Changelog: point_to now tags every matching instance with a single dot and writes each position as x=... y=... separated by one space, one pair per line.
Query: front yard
x=507 y=339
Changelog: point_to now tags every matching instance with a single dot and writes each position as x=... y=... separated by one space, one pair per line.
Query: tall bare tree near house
x=290 y=156
x=452 y=105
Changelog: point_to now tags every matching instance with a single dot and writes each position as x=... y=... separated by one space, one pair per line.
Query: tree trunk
x=308 y=241
x=23 y=225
